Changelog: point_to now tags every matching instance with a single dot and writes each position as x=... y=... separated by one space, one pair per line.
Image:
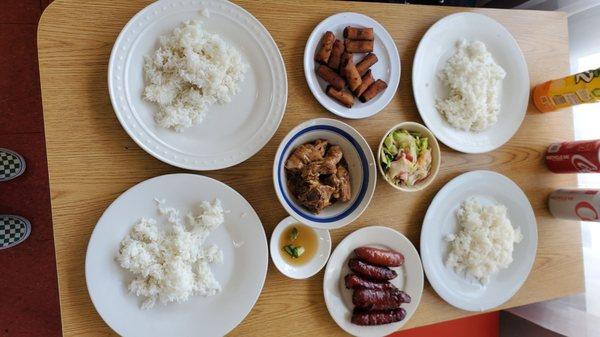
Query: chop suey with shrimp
x=406 y=157
x=317 y=175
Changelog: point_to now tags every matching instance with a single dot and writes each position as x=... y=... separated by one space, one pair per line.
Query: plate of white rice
x=176 y=255
x=478 y=240
x=197 y=84
x=470 y=82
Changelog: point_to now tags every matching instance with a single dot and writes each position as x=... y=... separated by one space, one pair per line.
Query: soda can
x=574 y=157
x=575 y=204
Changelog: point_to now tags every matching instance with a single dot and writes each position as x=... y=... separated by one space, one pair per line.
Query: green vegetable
x=289 y=249
x=294 y=234
x=294 y=251
x=298 y=251
x=389 y=145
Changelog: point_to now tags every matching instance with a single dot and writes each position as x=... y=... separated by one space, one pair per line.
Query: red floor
x=29 y=304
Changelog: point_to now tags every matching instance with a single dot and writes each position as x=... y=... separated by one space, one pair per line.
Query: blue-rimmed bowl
x=361 y=166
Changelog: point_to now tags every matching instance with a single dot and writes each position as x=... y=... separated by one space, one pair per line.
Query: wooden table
x=92 y=160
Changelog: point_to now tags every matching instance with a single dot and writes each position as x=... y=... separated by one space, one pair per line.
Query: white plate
x=489 y=187
x=387 y=67
x=230 y=133
x=242 y=273
x=311 y=267
x=339 y=299
x=437 y=46
x=361 y=166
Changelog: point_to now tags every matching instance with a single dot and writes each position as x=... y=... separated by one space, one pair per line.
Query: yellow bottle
x=568 y=91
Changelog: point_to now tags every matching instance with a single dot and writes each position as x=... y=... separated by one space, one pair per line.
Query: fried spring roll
x=358 y=46
x=326 y=46
x=367 y=80
x=366 y=63
x=343 y=97
x=336 y=55
x=357 y=33
x=373 y=90
x=344 y=60
x=330 y=77
x=351 y=75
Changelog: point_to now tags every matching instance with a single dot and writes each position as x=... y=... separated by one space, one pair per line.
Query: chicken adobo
x=317 y=175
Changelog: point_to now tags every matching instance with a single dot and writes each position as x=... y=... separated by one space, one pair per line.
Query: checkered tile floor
x=11 y=165
x=12 y=230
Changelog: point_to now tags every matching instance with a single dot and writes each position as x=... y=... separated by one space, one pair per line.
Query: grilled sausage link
x=373 y=273
x=380 y=257
x=354 y=281
x=360 y=317
x=379 y=299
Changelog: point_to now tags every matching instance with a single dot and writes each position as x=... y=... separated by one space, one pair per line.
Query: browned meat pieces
x=371 y=272
x=377 y=317
x=380 y=257
x=341 y=182
x=354 y=281
x=317 y=175
x=305 y=154
x=372 y=299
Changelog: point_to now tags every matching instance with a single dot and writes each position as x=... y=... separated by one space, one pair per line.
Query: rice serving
x=191 y=70
x=172 y=264
x=484 y=242
x=474 y=82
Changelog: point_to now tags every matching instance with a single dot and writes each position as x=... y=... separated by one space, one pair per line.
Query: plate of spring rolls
x=373 y=282
x=352 y=65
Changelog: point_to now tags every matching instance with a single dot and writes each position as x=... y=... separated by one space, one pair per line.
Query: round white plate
x=311 y=267
x=241 y=275
x=434 y=50
x=339 y=299
x=230 y=133
x=490 y=188
x=361 y=166
x=387 y=67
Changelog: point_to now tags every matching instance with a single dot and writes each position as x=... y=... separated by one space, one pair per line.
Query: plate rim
x=139 y=185
x=418 y=59
x=177 y=161
x=394 y=57
x=425 y=256
x=420 y=277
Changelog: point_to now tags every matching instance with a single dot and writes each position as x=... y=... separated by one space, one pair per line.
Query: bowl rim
x=274 y=249
x=366 y=194
x=435 y=147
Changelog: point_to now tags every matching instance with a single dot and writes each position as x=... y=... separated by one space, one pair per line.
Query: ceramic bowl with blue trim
x=361 y=167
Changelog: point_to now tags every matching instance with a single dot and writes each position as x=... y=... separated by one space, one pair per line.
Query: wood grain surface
x=92 y=160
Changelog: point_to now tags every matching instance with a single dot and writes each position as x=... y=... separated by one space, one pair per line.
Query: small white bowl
x=310 y=268
x=361 y=165
x=435 y=154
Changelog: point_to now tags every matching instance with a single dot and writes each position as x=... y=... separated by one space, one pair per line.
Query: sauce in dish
x=298 y=243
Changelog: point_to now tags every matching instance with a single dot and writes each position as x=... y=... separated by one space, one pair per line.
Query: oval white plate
x=311 y=267
x=387 y=67
x=361 y=166
x=339 y=299
x=230 y=133
x=434 y=50
x=242 y=273
x=489 y=187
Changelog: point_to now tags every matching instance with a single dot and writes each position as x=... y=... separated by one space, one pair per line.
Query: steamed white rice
x=191 y=70
x=170 y=263
x=474 y=81
x=485 y=240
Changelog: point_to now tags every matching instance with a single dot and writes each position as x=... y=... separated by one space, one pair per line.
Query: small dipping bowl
x=311 y=267
x=436 y=156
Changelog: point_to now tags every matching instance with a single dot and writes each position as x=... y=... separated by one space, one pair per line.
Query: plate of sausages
x=352 y=65
x=373 y=282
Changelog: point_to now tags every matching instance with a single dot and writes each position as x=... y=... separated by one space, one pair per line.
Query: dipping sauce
x=298 y=244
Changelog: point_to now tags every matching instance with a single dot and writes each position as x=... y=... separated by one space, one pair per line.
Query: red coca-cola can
x=574 y=157
x=575 y=204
